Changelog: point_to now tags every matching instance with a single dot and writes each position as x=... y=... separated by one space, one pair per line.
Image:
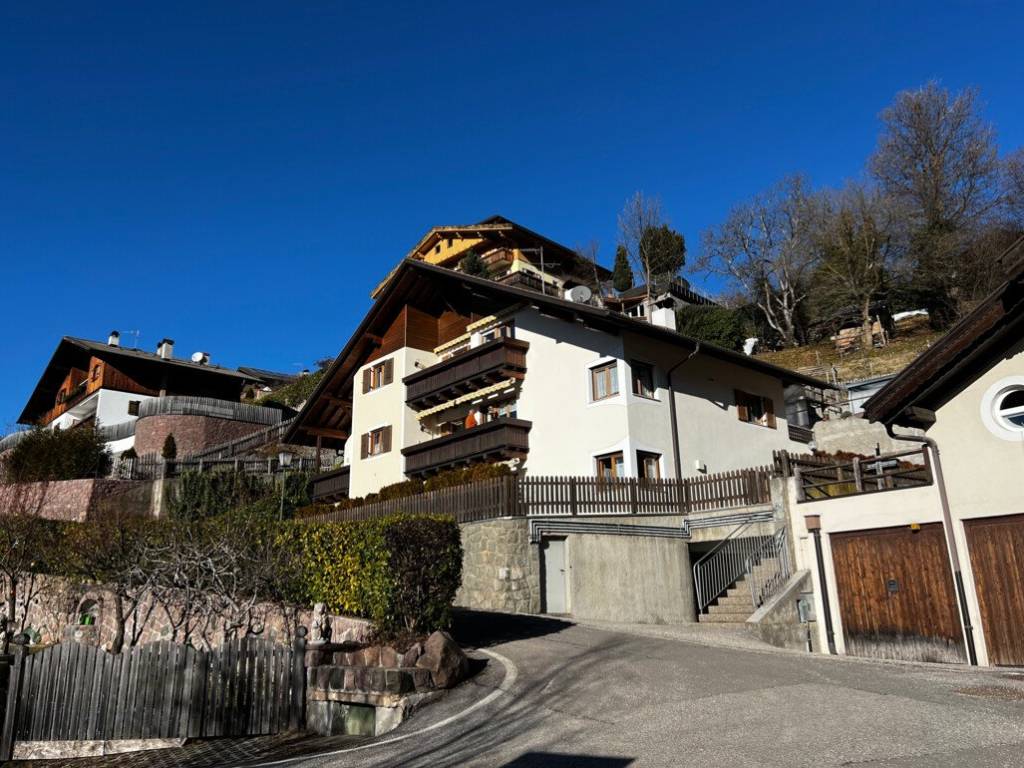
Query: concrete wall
x=855 y=434
x=777 y=622
x=500 y=569
x=191 y=433
x=77 y=500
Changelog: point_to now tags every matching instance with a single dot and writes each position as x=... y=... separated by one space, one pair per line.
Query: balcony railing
x=496 y=440
x=467 y=371
x=331 y=486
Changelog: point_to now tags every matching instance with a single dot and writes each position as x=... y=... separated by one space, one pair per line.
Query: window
x=376 y=442
x=504 y=331
x=643 y=379
x=610 y=466
x=755 y=409
x=133 y=407
x=649 y=465
x=96 y=372
x=378 y=375
x=604 y=381
x=1010 y=409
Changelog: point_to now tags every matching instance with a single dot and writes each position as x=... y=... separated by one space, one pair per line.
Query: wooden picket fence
x=73 y=692
x=529 y=496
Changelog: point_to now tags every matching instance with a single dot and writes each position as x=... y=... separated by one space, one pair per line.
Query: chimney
x=114 y=339
x=665 y=317
x=165 y=348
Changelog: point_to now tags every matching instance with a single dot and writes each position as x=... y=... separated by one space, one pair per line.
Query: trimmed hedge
x=400 y=572
x=57 y=454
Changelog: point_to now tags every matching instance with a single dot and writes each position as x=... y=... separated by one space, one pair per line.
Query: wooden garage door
x=996 y=545
x=896 y=595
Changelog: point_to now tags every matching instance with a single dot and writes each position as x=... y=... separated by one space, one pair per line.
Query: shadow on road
x=476 y=629
x=550 y=760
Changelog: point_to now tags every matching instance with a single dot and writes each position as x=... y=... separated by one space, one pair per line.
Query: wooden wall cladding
x=896 y=594
x=996 y=546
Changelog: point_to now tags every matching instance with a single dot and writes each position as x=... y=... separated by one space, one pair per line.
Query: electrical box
x=805 y=608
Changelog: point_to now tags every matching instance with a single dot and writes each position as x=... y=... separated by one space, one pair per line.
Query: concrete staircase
x=735 y=605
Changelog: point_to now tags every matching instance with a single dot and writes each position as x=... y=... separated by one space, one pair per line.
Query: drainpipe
x=826 y=607
x=947 y=527
x=676 y=458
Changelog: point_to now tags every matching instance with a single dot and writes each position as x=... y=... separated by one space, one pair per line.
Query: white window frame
x=993 y=417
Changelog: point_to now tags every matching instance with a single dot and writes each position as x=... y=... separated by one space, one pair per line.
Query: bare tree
x=24 y=542
x=939 y=159
x=654 y=248
x=178 y=559
x=588 y=255
x=766 y=249
x=858 y=244
x=1013 y=184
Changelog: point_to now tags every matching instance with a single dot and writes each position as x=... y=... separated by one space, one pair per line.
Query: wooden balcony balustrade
x=467 y=371
x=496 y=440
x=331 y=486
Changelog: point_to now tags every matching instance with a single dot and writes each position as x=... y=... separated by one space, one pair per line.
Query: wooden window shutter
x=364 y=445
x=389 y=370
x=366 y=380
x=741 y=405
x=769 y=412
x=385 y=440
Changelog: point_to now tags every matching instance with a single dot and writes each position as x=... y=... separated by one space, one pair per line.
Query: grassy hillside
x=913 y=336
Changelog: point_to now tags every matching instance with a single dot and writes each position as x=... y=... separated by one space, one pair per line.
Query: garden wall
x=57 y=606
x=500 y=571
x=77 y=500
x=191 y=433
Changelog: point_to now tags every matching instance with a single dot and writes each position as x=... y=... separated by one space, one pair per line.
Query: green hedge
x=400 y=572
x=57 y=454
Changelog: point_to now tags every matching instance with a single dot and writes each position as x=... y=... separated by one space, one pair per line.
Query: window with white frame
x=604 y=381
x=1009 y=408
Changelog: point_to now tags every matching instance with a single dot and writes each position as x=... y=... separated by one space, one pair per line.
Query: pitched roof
x=345 y=365
x=74 y=352
x=968 y=350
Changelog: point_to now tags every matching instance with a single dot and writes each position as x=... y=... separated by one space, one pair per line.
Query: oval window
x=1009 y=408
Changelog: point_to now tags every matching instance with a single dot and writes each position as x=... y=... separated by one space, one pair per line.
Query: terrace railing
x=829 y=477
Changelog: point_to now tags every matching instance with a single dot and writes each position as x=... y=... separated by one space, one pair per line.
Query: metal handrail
x=764 y=585
x=723 y=566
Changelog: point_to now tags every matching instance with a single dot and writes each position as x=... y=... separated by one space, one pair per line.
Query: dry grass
x=913 y=337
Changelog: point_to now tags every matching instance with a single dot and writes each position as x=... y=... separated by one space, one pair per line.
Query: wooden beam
x=324 y=432
x=338 y=401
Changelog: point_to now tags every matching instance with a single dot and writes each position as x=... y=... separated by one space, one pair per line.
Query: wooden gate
x=896 y=595
x=996 y=545
x=74 y=692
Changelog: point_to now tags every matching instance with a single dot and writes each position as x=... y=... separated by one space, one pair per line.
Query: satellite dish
x=200 y=357
x=580 y=294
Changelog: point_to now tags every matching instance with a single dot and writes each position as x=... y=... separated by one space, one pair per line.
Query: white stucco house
x=448 y=369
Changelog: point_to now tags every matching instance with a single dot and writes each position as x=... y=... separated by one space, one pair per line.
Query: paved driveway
x=595 y=697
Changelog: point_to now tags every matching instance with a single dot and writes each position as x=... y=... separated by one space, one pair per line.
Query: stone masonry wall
x=76 y=500
x=191 y=433
x=500 y=570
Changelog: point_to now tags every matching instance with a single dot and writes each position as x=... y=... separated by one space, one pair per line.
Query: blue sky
x=237 y=176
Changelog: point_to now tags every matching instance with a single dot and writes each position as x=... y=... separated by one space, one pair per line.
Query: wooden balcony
x=331 y=486
x=467 y=371
x=496 y=440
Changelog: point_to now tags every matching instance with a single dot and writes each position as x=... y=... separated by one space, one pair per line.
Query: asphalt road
x=588 y=697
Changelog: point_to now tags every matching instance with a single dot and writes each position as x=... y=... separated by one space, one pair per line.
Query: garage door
x=896 y=597
x=996 y=545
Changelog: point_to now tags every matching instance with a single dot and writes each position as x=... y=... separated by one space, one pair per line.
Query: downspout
x=947 y=527
x=826 y=606
x=676 y=458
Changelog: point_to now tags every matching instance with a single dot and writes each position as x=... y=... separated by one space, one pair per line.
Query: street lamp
x=284 y=460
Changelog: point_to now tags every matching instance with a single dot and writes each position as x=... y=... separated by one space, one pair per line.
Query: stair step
x=734 y=599
x=724 y=618
x=723 y=609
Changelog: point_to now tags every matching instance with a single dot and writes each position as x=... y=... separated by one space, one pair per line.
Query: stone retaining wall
x=77 y=500
x=191 y=433
x=500 y=570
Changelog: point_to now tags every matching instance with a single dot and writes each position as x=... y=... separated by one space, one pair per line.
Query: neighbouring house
x=136 y=398
x=904 y=579
x=666 y=293
x=508 y=253
x=448 y=369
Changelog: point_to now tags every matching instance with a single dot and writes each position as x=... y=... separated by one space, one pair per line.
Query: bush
x=400 y=572
x=202 y=495
x=716 y=325
x=292 y=395
x=170 y=449
x=471 y=474
x=57 y=454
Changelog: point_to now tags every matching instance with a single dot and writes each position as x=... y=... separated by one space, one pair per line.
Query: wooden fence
x=152 y=467
x=829 y=477
x=529 y=496
x=73 y=692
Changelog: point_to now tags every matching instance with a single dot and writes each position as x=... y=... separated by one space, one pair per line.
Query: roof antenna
x=136 y=335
